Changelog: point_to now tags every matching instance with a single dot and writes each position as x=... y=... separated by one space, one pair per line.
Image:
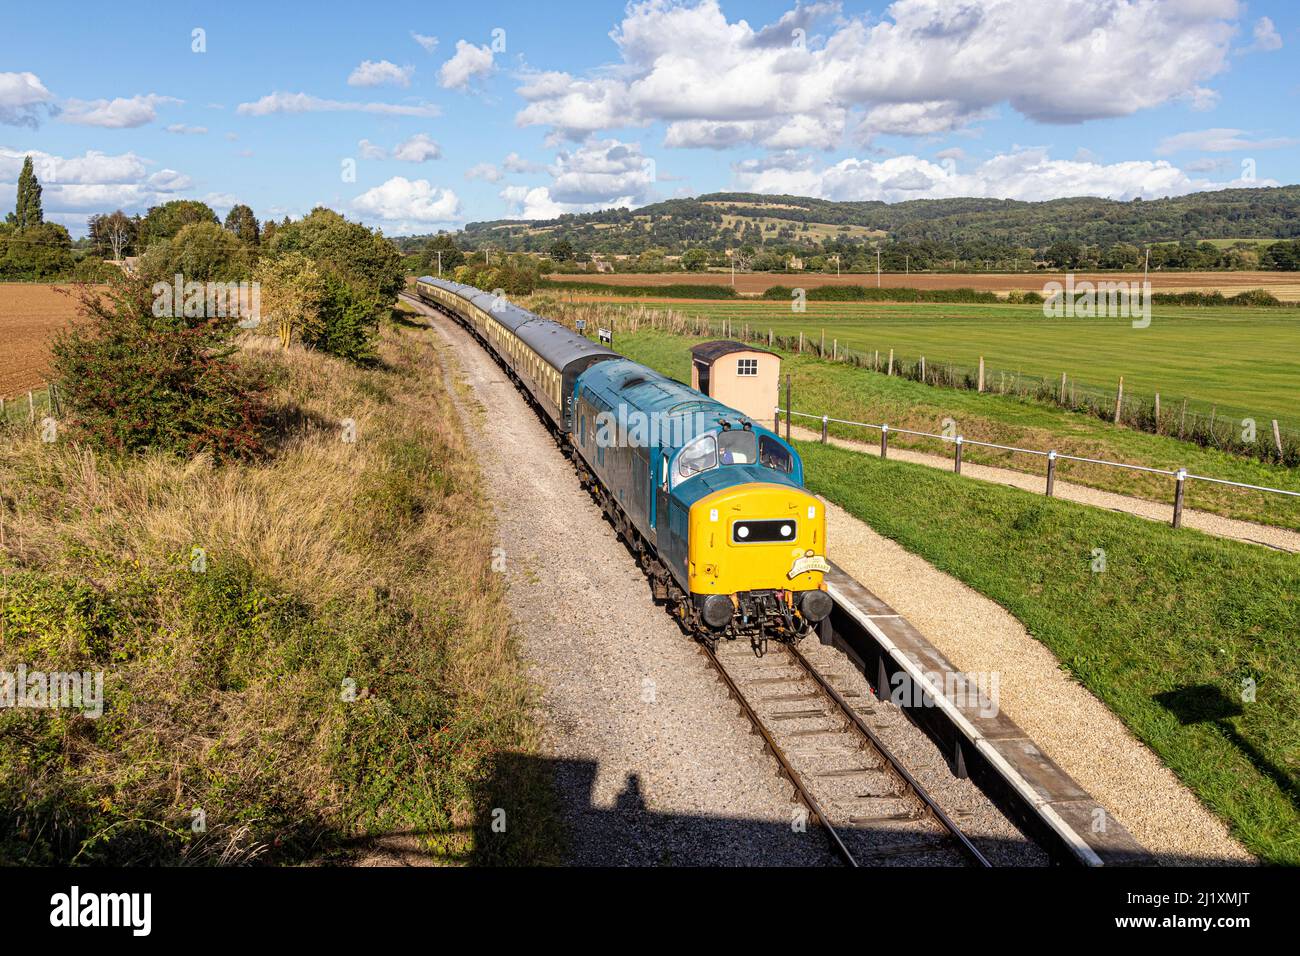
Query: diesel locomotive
x=712 y=504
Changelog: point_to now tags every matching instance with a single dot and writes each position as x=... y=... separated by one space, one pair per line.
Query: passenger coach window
x=736 y=447
x=700 y=455
x=774 y=455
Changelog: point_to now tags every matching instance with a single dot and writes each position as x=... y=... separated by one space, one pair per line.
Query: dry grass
x=366 y=561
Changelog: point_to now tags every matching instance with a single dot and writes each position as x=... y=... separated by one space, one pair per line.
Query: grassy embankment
x=338 y=666
x=855 y=394
x=1165 y=635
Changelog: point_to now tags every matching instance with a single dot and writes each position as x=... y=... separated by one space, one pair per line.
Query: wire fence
x=31 y=408
x=1221 y=427
x=959 y=442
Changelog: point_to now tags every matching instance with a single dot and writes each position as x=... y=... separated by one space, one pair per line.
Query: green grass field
x=1165 y=636
x=1244 y=361
x=854 y=394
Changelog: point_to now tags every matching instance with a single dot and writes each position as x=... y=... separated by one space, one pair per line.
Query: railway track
x=871 y=809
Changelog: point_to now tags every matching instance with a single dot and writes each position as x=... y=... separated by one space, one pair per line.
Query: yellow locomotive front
x=756 y=560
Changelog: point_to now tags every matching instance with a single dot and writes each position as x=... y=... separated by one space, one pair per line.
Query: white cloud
x=514 y=163
x=468 y=62
x=430 y=43
x=380 y=73
x=76 y=187
x=602 y=173
x=304 y=103
x=532 y=203
x=182 y=129
x=486 y=172
x=418 y=149
x=1267 y=38
x=926 y=66
x=1026 y=174
x=119 y=113
x=1218 y=141
x=24 y=100
x=407 y=201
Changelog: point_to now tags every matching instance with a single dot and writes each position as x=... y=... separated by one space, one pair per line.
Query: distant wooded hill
x=719 y=221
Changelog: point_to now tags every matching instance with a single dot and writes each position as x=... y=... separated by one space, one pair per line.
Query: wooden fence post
x=891 y=362
x=1181 y=478
x=1051 y=472
x=835 y=350
x=1277 y=439
x=1157 y=413
x=1119 y=399
x=821 y=350
x=1062 y=388
x=776 y=419
x=31 y=407
x=981 y=382
x=789 y=408
x=884 y=440
x=801 y=342
x=956 y=458
x=922 y=369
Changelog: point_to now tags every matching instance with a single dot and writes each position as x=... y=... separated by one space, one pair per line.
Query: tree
x=134 y=380
x=561 y=250
x=695 y=259
x=241 y=221
x=347 y=249
x=112 y=234
x=1064 y=255
x=200 y=252
x=292 y=293
x=27 y=211
x=42 y=251
x=165 y=221
x=451 y=256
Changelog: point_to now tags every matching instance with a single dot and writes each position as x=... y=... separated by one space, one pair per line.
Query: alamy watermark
x=52 y=690
x=970 y=691
x=1098 y=300
x=209 y=300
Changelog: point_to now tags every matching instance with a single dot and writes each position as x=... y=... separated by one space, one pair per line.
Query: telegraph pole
x=439 y=263
x=877 y=266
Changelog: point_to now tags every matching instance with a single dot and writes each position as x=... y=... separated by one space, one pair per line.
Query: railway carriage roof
x=555 y=343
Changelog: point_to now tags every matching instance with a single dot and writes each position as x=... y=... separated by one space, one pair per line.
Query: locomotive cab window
x=774 y=455
x=700 y=455
x=736 y=447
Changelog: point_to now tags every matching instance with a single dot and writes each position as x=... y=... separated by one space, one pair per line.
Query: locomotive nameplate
x=811 y=562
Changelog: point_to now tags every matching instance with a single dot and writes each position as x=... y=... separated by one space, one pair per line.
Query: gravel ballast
x=654 y=763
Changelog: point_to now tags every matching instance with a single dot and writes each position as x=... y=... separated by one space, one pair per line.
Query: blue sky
x=530 y=109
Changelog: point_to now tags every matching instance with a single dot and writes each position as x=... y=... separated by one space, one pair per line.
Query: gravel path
x=1280 y=538
x=1067 y=722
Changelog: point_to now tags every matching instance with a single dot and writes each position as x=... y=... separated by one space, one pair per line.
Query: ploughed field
x=30 y=315
x=1284 y=285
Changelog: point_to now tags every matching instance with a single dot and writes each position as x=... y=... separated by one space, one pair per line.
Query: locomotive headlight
x=764 y=531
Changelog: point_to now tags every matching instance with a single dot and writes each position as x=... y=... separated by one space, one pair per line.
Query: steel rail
x=967 y=847
x=787 y=768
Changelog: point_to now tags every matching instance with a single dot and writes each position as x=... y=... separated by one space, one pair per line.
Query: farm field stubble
x=1284 y=285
